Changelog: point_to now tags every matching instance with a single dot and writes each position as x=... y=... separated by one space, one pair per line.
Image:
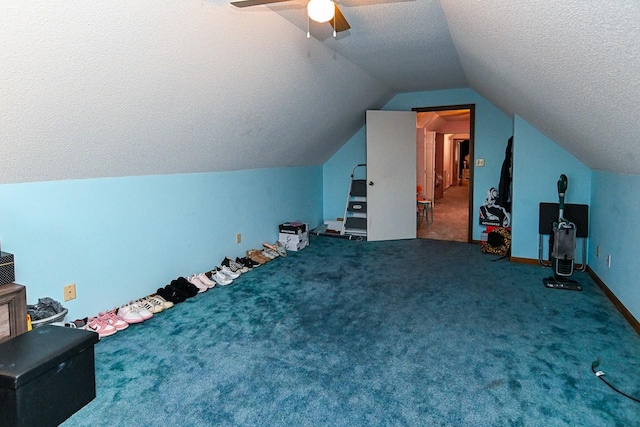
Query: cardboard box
x=46 y=375
x=7 y=268
x=294 y=242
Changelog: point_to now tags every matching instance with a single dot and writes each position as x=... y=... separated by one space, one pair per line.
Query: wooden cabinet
x=13 y=311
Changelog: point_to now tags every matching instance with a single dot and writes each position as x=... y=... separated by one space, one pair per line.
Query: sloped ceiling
x=570 y=68
x=404 y=44
x=121 y=88
x=434 y=120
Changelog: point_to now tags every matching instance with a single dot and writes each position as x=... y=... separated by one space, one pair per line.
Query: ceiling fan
x=317 y=10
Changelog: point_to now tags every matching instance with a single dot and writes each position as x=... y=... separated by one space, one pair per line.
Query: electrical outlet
x=70 y=292
x=238 y=238
x=480 y=163
x=598 y=251
x=609 y=261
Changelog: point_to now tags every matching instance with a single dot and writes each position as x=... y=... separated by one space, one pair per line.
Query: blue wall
x=538 y=163
x=616 y=229
x=337 y=173
x=492 y=130
x=120 y=239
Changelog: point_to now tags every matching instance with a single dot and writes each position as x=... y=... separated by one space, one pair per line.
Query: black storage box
x=46 y=375
x=292 y=228
x=7 y=268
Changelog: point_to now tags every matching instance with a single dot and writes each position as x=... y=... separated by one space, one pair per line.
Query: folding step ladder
x=355 y=213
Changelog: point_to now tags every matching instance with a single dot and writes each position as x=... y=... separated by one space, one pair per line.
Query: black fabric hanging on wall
x=504 y=188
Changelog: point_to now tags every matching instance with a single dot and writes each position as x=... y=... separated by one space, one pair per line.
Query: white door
x=391 y=175
x=430 y=162
x=421 y=160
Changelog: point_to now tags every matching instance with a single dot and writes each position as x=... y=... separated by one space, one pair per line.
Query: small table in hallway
x=424 y=207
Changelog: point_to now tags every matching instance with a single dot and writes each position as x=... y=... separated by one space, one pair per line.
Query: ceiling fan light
x=321 y=10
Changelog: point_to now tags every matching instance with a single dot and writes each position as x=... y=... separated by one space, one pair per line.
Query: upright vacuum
x=562 y=245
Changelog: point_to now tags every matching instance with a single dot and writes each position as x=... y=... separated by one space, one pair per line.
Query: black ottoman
x=46 y=375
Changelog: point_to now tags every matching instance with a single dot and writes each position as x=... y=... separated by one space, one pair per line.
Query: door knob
x=371 y=183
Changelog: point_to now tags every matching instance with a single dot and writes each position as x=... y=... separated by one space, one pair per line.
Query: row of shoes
x=118 y=319
x=269 y=252
x=110 y=322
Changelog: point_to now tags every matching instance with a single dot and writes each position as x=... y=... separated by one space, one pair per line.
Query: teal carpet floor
x=401 y=333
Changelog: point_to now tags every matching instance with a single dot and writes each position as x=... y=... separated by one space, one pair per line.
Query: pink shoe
x=112 y=319
x=101 y=327
x=194 y=280
x=204 y=279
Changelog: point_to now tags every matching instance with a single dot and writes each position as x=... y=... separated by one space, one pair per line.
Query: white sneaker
x=128 y=315
x=229 y=264
x=152 y=305
x=204 y=279
x=220 y=278
x=158 y=300
x=227 y=272
x=235 y=266
x=134 y=313
x=143 y=306
x=198 y=284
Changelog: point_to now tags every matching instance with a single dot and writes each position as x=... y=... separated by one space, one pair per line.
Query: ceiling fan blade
x=247 y=3
x=339 y=23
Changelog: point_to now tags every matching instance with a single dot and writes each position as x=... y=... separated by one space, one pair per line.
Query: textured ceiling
x=405 y=44
x=570 y=68
x=121 y=88
x=439 y=121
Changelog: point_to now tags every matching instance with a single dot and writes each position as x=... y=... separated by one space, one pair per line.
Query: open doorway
x=444 y=171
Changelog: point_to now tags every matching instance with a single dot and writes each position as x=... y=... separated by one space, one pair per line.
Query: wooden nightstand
x=13 y=311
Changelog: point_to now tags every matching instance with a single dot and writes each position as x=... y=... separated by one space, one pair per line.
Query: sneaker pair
x=159 y=302
x=241 y=266
x=194 y=280
x=203 y=279
x=148 y=304
x=111 y=318
x=134 y=313
x=247 y=262
x=233 y=275
x=230 y=264
x=220 y=277
x=100 y=326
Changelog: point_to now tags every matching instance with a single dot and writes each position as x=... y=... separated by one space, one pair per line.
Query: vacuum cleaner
x=562 y=245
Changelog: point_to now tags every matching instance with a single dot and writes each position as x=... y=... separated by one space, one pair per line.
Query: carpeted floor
x=401 y=333
x=450 y=217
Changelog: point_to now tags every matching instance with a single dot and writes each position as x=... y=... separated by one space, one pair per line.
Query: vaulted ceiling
x=121 y=88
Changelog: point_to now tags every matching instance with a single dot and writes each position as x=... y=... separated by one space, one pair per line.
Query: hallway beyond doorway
x=450 y=216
